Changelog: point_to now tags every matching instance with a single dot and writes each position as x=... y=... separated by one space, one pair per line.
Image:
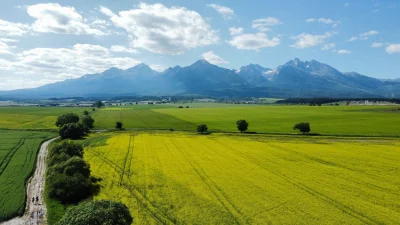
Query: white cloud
x=54 y=18
x=12 y=29
x=157 y=67
x=354 y=38
x=159 y=29
x=343 y=51
x=377 y=45
x=334 y=23
x=393 y=48
x=328 y=46
x=226 y=13
x=213 y=58
x=8 y=40
x=235 y=30
x=306 y=40
x=120 y=48
x=369 y=33
x=264 y=23
x=253 y=41
x=45 y=65
x=106 y=11
x=5 y=48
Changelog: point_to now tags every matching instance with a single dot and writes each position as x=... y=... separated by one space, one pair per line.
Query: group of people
x=35 y=201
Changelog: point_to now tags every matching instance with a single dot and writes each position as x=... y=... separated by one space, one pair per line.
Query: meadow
x=331 y=120
x=184 y=178
x=18 y=152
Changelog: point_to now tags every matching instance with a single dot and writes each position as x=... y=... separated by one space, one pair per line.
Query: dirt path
x=35 y=211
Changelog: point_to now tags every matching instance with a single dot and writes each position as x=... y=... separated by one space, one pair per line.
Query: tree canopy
x=202 y=128
x=99 y=104
x=118 y=125
x=242 y=125
x=67 y=118
x=302 y=127
x=98 y=213
x=72 y=130
x=66 y=147
x=73 y=166
x=88 y=121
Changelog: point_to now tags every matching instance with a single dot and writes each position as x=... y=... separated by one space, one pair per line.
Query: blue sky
x=44 y=42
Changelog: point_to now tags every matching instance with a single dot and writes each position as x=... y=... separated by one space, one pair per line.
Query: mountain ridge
x=295 y=78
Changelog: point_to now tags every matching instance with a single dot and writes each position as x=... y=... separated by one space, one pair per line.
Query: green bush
x=72 y=130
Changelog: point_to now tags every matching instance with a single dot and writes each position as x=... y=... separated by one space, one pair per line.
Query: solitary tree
x=85 y=113
x=88 y=121
x=67 y=118
x=242 y=125
x=98 y=212
x=93 y=109
x=202 y=128
x=302 y=127
x=118 y=125
x=99 y=104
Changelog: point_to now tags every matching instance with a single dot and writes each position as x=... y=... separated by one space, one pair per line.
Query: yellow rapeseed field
x=179 y=178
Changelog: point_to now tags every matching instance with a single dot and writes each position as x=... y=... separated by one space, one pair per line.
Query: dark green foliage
x=72 y=130
x=93 y=109
x=88 y=121
x=58 y=158
x=99 y=104
x=202 y=128
x=98 y=213
x=242 y=125
x=118 y=125
x=85 y=113
x=73 y=166
x=68 y=189
x=67 y=147
x=67 y=118
x=302 y=127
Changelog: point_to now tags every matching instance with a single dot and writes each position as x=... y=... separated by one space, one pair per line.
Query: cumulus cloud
x=8 y=40
x=46 y=65
x=120 y=48
x=5 y=48
x=12 y=29
x=226 y=13
x=343 y=51
x=54 y=18
x=393 y=48
x=377 y=45
x=369 y=33
x=213 y=58
x=354 y=38
x=264 y=24
x=328 y=46
x=164 y=30
x=306 y=40
x=363 y=36
x=334 y=23
x=235 y=30
x=253 y=41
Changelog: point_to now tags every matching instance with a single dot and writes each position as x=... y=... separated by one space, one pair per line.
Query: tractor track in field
x=340 y=206
x=125 y=161
x=35 y=212
x=218 y=193
x=4 y=163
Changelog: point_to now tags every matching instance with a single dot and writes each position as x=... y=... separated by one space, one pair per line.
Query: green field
x=338 y=120
x=33 y=117
x=182 y=178
x=18 y=151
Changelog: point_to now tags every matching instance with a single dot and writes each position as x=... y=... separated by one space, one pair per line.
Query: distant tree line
x=319 y=101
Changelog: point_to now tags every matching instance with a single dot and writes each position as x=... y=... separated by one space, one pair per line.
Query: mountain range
x=295 y=78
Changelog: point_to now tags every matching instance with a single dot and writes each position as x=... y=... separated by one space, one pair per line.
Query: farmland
x=184 y=178
x=331 y=120
x=18 y=151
